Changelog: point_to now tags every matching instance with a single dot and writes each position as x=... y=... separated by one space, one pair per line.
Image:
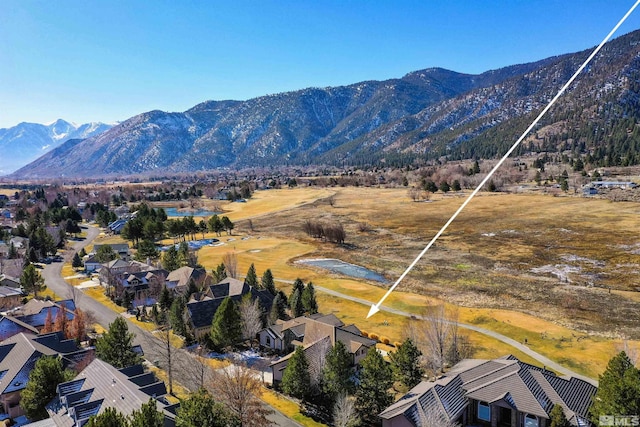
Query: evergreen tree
x=109 y=418
x=41 y=387
x=220 y=273
x=116 y=345
x=619 y=389
x=166 y=299
x=31 y=280
x=444 y=187
x=76 y=262
x=251 y=278
x=337 y=372
x=176 y=316
x=296 y=380
x=298 y=284
x=105 y=253
x=558 y=418
x=192 y=288
x=297 y=308
x=309 y=302
x=226 y=329
x=456 y=185
x=373 y=396
x=405 y=363
x=146 y=249
x=170 y=260
x=184 y=258
x=268 y=282
x=278 y=309
x=201 y=410
x=82 y=253
x=147 y=416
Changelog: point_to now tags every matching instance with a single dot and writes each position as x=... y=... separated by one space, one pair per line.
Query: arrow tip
x=374 y=309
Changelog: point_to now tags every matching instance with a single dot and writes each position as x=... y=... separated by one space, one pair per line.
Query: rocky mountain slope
x=26 y=142
x=427 y=113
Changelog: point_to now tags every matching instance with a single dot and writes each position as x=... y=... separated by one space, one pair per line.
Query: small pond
x=194 y=244
x=197 y=212
x=352 y=270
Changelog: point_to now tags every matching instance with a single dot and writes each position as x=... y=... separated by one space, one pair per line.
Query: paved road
x=515 y=344
x=186 y=370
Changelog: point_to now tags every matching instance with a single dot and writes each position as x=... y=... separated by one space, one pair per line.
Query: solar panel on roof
x=70 y=387
x=87 y=410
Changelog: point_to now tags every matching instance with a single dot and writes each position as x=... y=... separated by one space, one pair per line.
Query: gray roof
x=524 y=387
x=100 y=386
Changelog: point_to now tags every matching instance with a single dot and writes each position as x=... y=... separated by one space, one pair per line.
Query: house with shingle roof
x=100 y=386
x=491 y=393
x=178 y=280
x=200 y=313
x=317 y=332
x=18 y=356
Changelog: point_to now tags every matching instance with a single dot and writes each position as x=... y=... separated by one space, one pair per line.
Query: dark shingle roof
x=524 y=387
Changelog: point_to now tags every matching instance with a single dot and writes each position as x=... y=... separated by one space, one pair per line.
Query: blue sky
x=109 y=60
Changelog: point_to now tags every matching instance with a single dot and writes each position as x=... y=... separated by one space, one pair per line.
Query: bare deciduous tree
x=437 y=336
x=230 y=261
x=237 y=387
x=432 y=416
x=317 y=359
x=344 y=412
x=251 y=317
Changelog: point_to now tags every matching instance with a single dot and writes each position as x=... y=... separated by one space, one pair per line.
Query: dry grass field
x=557 y=271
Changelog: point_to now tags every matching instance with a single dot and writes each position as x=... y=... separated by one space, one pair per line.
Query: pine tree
x=170 y=260
x=220 y=273
x=309 y=303
x=76 y=262
x=298 y=284
x=147 y=416
x=268 y=282
x=278 y=309
x=176 y=316
x=373 y=396
x=405 y=363
x=226 y=329
x=31 y=280
x=201 y=410
x=116 y=345
x=166 y=299
x=296 y=381
x=297 y=309
x=619 y=389
x=41 y=387
x=558 y=418
x=337 y=372
x=251 y=278
x=109 y=418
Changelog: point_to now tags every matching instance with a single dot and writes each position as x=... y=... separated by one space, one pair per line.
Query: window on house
x=530 y=421
x=484 y=411
x=268 y=341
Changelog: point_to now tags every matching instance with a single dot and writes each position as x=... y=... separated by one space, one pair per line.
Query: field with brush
x=558 y=272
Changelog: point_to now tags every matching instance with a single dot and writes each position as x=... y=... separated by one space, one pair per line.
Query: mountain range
x=26 y=142
x=429 y=113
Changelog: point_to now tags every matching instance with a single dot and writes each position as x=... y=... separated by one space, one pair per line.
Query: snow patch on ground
x=561 y=271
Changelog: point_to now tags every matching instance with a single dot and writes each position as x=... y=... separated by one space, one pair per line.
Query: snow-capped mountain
x=26 y=142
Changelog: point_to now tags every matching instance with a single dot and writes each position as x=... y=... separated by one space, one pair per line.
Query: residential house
x=18 y=356
x=10 y=297
x=9 y=282
x=91 y=264
x=4 y=249
x=100 y=386
x=200 y=312
x=32 y=316
x=314 y=333
x=122 y=249
x=178 y=280
x=143 y=285
x=116 y=226
x=503 y=392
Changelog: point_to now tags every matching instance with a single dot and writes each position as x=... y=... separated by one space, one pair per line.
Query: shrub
x=374 y=337
x=385 y=340
x=365 y=334
x=397 y=344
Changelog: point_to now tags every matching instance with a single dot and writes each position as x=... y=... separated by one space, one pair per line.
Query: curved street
x=186 y=370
